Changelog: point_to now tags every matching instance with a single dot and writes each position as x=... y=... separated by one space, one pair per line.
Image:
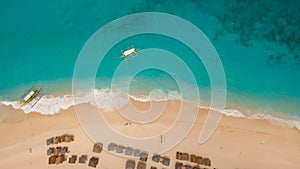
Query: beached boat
x=129 y=52
x=32 y=95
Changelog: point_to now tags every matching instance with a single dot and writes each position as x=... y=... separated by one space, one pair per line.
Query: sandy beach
x=237 y=143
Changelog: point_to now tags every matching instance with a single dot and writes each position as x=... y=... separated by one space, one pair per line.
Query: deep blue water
x=258 y=44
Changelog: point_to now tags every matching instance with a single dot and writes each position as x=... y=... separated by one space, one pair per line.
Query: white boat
x=32 y=95
x=129 y=52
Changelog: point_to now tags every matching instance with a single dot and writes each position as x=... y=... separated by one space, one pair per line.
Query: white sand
x=237 y=142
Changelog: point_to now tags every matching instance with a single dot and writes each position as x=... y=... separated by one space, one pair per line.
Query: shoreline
x=256 y=143
x=67 y=100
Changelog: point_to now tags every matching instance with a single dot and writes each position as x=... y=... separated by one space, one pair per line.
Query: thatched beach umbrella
x=98 y=147
x=141 y=165
x=94 y=162
x=72 y=159
x=130 y=164
x=83 y=158
x=156 y=158
x=52 y=159
x=144 y=156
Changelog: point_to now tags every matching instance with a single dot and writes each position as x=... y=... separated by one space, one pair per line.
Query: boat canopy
x=29 y=95
x=129 y=52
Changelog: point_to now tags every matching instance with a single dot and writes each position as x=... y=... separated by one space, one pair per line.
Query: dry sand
x=237 y=143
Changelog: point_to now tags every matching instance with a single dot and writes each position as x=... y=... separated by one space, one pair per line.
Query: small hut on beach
x=94 y=162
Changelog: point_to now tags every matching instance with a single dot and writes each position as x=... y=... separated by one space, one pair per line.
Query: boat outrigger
x=131 y=51
x=31 y=96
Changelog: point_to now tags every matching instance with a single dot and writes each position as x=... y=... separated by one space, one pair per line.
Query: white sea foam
x=105 y=99
x=102 y=99
x=227 y=112
x=237 y=113
x=157 y=95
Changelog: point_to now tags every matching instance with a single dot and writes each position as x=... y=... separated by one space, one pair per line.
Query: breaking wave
x=102 y=99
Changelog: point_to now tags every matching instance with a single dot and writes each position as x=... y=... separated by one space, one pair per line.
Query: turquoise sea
x=258 y=43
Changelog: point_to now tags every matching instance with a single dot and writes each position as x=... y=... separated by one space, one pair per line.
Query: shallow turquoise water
x=258 y=46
